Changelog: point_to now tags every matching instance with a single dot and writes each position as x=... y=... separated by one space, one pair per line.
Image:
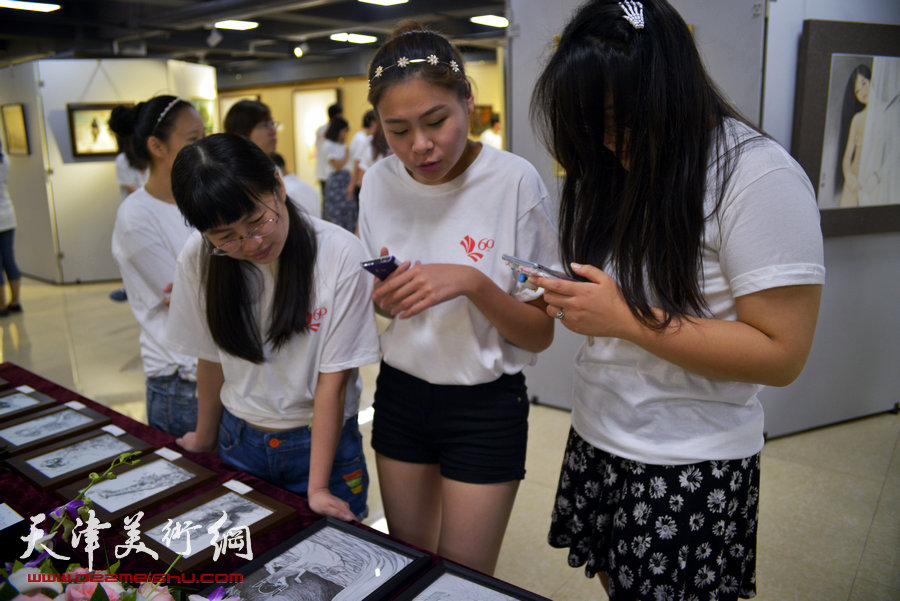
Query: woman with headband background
x=451 y=408
x=148 y=235
x=707 y=235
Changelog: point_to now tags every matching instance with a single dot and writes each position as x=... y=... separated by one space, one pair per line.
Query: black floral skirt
x=661 y=532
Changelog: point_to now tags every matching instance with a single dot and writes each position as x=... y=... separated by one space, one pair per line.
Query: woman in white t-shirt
x=275 y=306
x=147 y=237
x=339 y=205
x=451 y=408
x=707 y=234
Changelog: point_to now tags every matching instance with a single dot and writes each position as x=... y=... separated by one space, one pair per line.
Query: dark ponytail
x=133 y=126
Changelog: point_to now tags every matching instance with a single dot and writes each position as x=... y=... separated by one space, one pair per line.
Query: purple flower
x=70 y=508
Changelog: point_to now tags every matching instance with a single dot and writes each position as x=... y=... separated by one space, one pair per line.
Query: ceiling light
x=298 y=51
x=353 y=38
x=491 y=20
x=237 y=25
x=385 y=2
x=41 y=7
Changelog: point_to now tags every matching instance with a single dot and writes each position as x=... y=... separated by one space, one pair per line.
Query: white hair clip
x=634 y=13
x=403 y=62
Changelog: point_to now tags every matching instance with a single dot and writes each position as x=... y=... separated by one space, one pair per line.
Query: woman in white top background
x=7 y=244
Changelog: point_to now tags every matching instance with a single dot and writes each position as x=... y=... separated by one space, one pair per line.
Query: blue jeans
x=282 y=458
x=8 y=256
x=172 y=404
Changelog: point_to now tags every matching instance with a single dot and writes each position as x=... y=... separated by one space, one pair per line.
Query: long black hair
x=219 y=180
x=133 y=126
x=849 y=107
x=648 y=88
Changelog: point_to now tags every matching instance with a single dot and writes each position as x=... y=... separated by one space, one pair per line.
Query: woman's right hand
x=191 y=442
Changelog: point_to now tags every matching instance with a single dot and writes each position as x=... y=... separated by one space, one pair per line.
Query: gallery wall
x=66 y=205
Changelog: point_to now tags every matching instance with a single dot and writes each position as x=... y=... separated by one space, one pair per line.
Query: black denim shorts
x=477 y=434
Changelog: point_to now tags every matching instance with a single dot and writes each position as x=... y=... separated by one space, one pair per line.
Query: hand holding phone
x=524 y=269
x=381 y=267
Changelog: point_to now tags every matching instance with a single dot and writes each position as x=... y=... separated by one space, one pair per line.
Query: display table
x=273 y=549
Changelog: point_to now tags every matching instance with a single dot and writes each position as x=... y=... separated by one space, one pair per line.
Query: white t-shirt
x=636 y=405
x=497 y=206
x=278 y=393
x=7 y=212
x=303 y=195
x=322 y=166
x=146 y=240
x=126 y=175
x=333 y=150
x=358 y=145
x=491 y=138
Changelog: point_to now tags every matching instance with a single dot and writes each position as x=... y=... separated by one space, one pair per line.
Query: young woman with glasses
x=148 y=235
x=276 y=307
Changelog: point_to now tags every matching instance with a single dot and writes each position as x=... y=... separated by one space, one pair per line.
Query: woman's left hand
x=593 y=308
x=423 y=286
x=324 y=503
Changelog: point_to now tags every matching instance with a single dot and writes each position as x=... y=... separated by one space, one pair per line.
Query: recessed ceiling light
x=385 y=2
x=298 y=51
x=353 y=38
x=491 y=20
x=237 y=25
x=41 y=7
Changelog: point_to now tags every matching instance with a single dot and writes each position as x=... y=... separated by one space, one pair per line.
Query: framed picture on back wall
x=89 y=130
x=16 y=131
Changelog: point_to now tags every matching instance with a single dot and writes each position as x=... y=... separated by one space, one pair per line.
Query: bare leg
x=474 y=522
x=411 y=494
x=604 y=580
x=14 y=287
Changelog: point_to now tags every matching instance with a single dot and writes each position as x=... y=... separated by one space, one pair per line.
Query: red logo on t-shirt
x=469 y=245
x=314 y=319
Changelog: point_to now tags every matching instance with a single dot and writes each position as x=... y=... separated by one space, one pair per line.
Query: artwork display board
x=71 y=458
x=233 y=509
x=331 y=561
x=49 y=426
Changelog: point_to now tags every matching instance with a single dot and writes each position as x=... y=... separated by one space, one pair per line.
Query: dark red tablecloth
x=28 y=500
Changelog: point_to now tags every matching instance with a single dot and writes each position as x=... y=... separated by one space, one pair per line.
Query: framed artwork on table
x=89 y=130
x=71 y=458
x=453 y=581
x=22 y=401
x=847 y=123
x=49 y=426
x=153 y=480
x=16 y=130
x=230 y=512
x=331 y=561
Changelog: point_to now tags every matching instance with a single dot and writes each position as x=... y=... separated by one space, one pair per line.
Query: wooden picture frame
x=16 y=129
x=23 y=400
x=255 y=511
x=46 y=427
x=332 y=558
x=89 y=130
x=153 y=480
x=452 y=581
x=821 y=71
x=56 y=465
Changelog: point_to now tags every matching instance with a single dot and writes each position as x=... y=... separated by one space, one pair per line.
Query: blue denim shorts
x=172 y=404
x=282 y=458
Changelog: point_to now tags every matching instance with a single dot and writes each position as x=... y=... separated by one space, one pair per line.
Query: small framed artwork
x=452 y=581
x=206 y=109
x=89 y=130
x=847 y=121
x=16 y=130
x=157 y=478
x=228 y=513
x=331 y=561
x=49 y=426
x=71 y=458
x=22 y=401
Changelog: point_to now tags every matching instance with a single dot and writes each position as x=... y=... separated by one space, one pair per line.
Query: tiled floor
x=830 y=498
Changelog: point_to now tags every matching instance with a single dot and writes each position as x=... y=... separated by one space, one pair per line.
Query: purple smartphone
x=381 y=267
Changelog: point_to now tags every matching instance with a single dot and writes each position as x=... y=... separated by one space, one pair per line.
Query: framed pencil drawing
x=331 y=561
x=49 y=426
x=58 y=464
x=847 y=123
x=140 y=487
x=453 y=581
x=22 y=401
x=221 y=514
x=16 y=129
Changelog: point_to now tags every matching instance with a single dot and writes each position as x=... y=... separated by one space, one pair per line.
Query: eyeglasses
x=235 y=244
x=269 y=125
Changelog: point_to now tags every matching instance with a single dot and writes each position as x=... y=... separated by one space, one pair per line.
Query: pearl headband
x=403 y=62
x=165 y=112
